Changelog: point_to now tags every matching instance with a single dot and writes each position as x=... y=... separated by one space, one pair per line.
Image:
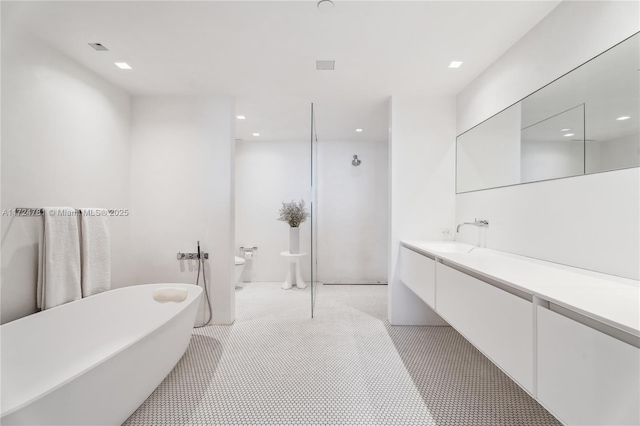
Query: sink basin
x=446 y=246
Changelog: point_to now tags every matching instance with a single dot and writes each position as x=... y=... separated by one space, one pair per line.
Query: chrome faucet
x=476 y=223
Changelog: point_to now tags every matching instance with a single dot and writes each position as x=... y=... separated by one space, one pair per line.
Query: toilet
x=239 y=267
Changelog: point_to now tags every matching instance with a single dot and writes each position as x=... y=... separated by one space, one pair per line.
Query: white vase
x=294 y=240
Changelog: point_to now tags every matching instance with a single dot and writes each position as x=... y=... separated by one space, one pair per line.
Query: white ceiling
x=263 y=53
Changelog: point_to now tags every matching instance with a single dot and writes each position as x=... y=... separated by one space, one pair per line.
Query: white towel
x=59 y=263
x=96 y=251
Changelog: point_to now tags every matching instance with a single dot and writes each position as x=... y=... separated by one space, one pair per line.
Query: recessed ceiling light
x=123 y=65
x=455 y=64
x=570 y=134
x=624 y=117
x=325 y=4
x=564 y=130
x=255 y=134
x=240 y=117
x=358 y=130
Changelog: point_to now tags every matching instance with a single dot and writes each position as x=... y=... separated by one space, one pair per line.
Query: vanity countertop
x=606 y=298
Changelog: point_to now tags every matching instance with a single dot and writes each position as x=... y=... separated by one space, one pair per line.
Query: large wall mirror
x=587 y=121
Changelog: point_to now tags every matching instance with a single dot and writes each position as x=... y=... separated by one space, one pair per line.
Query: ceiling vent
x=98 y=46
x=325 y=65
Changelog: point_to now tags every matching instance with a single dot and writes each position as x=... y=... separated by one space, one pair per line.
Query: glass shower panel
x=314 y=211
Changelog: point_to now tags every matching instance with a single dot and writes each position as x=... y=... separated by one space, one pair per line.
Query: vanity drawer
x=585 y=376
x=418 y=272
x=498 y=323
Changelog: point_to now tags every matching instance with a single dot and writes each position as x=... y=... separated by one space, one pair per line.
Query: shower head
x=355 y=161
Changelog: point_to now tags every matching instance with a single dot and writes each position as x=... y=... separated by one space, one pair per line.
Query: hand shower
x=201 y=263
x=200 y=256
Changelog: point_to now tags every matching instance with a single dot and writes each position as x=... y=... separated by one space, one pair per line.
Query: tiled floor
x=347 y=366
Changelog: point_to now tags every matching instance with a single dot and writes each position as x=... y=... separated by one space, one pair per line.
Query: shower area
x=342 y=177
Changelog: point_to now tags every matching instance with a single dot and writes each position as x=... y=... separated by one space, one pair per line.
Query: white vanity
x=569 y=337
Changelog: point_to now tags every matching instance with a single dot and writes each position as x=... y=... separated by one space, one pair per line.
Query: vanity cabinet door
x=418 y=272
x=498 y=323
x=585 y=376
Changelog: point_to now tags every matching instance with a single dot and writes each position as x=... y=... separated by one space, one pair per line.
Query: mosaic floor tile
x=347 y=366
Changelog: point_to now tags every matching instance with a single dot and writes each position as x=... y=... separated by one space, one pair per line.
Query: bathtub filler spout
x=479 y=223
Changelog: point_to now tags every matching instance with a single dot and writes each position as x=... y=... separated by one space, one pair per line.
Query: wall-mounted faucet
x=477 y=222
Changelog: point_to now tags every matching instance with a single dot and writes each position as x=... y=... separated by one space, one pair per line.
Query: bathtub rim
x=161 y=324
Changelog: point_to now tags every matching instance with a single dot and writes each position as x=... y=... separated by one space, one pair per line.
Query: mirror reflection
x=553 y=148
x=613 y=109
x=487 y=155
x=584 y=122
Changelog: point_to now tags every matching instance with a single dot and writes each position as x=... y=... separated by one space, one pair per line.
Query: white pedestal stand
x=296 y=277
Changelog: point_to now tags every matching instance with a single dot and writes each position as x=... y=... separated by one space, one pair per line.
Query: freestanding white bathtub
x=95 y=360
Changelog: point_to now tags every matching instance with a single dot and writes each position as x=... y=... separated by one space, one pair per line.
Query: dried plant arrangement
x=293 y=213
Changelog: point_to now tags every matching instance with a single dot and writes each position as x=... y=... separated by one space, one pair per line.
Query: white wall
x=353 y=210
x=422 y=193
x=587 y=221
x=268 y=173
x=182 y=189
x=65 y=142
x=352 y=207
